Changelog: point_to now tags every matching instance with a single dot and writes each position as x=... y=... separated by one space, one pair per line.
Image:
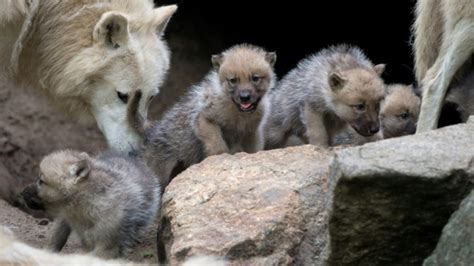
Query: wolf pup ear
x=111 y=30
x=271 y=58
x=162 y=16
x=336 y=81
x=84 y=155
x=217 y=60
x=379 y=69
x=80 y=170
x=416 y=90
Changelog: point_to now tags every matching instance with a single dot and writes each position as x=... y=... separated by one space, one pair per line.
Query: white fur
x=14 y=252
x=48 y=44
x=444 y=42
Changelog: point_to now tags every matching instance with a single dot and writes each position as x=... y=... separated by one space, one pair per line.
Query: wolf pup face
x=357 y=97
x=61 y=174
x=246 y=74
x=399 y=112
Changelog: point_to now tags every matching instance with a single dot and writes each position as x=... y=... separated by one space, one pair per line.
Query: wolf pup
x=326 y=92
x=108 y=200
x=221 y=114
x=399 y=111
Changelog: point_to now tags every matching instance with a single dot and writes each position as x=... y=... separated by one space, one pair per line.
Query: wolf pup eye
x=122 y=96
x=404 y=116
x=256 y=79
x=359 y=107
x=232 y=81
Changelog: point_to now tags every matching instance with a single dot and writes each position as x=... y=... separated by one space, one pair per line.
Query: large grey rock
x=266 y=208
x=392 y=198
x=456 y=245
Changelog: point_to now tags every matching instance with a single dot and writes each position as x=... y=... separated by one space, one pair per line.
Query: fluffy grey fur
x=305 y=95
x=109 y=201
x=207 y=121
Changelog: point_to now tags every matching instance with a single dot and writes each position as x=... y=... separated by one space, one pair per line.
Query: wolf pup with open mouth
x=221 y=114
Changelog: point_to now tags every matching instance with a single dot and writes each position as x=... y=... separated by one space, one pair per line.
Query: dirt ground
x=37 y=232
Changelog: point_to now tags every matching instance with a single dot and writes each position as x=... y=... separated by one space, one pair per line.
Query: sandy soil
x=37 y=233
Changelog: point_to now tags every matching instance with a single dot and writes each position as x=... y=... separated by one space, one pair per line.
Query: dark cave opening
x=297 y=29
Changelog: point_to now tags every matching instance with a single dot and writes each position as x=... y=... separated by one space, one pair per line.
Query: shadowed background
x=293 y=29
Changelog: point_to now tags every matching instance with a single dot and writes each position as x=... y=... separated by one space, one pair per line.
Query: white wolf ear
x=162 y=16
x=379 y=69
x=111 y=30
x=271 y=58
x=217 y=60
x=80 y=170
x=336 y=81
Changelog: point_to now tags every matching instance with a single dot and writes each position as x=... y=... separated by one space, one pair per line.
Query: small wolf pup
x=108 y=200
x=221 y=114
x=326 y=92
x=399 y=111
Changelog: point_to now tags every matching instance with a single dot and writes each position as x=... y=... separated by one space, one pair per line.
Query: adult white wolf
x=444 y=43
x=88 y=56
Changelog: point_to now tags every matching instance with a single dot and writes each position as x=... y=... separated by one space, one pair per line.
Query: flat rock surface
x=266 y=208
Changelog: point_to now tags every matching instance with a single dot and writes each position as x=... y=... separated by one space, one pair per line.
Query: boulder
x=456 y=245
x=266 y=208
x=391 y=199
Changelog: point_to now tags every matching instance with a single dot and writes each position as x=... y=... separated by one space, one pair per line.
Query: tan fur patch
x=399 y=112
x=400 y=99
x=243 y=61
x=362 y=86
x=55 y=167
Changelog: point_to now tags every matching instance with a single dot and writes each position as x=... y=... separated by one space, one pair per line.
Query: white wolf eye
x=122 y=96
x=256 y=79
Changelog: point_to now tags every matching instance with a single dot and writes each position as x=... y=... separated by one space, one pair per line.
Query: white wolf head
x=126 y=54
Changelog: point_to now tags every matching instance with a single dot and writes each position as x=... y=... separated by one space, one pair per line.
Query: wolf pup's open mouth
x=247 y=107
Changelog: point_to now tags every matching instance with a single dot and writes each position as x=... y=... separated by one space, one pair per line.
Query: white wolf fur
x=82 y=54
x=15 y=252
x=444 y=42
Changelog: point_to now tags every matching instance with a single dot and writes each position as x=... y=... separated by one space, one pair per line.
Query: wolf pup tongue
x=246 y=105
